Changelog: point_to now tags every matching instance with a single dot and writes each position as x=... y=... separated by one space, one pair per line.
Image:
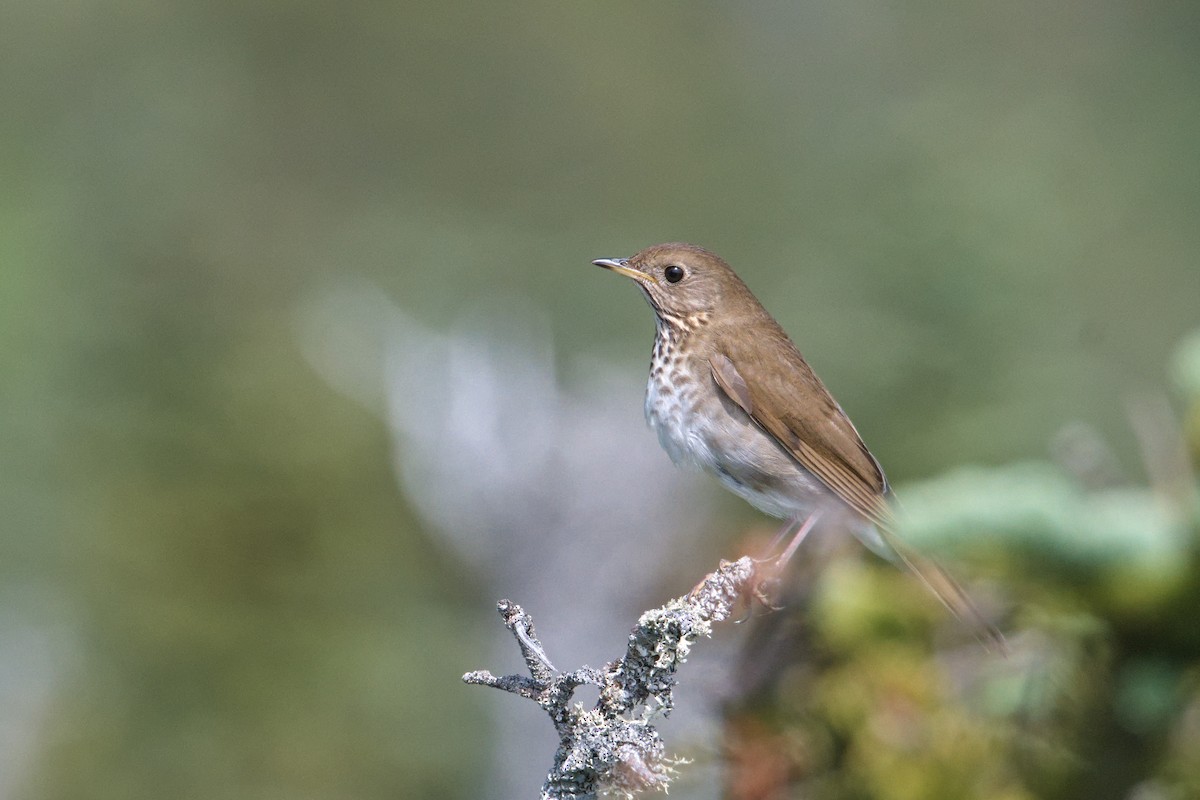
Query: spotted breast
x=755 y=467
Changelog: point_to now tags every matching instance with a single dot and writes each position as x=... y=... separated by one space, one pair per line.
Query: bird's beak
x=621 y=267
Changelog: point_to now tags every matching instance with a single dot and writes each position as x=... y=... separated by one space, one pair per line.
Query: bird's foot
x=769 y=570
x=763 y=590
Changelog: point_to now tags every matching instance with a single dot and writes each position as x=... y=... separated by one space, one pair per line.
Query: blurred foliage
x=1099 y=696
x=978 y=221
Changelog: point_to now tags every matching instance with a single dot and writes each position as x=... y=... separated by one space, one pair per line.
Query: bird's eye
x=673 y=274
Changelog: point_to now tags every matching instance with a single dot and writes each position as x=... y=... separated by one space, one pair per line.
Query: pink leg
x=790 y=551
x=782 y=536
x=773 y=567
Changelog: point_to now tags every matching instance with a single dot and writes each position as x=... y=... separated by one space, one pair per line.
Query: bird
x=730 y=393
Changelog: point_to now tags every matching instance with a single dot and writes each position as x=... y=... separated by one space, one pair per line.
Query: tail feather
x=881 y=540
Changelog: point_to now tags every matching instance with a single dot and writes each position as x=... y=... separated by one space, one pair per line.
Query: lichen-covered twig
x=613 y=746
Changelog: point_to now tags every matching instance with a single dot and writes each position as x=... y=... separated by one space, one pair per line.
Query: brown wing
x=773 y=384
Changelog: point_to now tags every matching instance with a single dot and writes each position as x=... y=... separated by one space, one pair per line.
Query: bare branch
x=613 y=746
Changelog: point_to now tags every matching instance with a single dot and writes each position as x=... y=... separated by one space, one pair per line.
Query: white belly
x=671 y=414
x=750 y=463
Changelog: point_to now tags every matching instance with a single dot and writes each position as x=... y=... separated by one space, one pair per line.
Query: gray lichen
x=614 y=747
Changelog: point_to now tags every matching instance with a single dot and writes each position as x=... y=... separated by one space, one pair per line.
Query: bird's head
x=682 y=279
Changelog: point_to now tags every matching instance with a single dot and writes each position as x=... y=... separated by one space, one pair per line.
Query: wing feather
x=774 y=386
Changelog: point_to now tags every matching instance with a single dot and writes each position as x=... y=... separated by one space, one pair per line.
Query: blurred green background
x=978 y=221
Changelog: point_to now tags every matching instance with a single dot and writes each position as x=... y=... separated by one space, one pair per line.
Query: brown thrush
x=730 y=393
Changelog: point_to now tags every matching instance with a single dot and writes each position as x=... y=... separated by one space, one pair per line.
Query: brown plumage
x=730 y=393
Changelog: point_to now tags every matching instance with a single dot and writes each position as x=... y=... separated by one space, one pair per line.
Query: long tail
x=887 y=544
